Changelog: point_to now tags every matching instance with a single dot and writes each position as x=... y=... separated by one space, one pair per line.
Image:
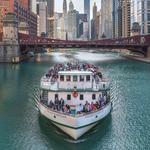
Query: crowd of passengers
x=59 y=105
x=53 y=72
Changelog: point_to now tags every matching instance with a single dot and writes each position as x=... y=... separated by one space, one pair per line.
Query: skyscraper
x=143 y=15
x=50 y=12
x=117 y=18
x=126 y=18
x=106 y=18
x=73 y=22
x=94 y=10
x=33 y=6
x=94 y=23
x=87 y=11
x=42 y=17
x=64 y=7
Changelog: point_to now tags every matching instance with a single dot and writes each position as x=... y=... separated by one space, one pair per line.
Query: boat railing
x=75 y=115
x=49 y=84
x=93 y=111
x=101 y=85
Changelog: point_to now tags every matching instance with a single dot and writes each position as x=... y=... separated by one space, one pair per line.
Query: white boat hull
x=74 y=126
x=75 y=133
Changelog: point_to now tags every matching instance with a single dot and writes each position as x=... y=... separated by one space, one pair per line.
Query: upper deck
x=69 y=76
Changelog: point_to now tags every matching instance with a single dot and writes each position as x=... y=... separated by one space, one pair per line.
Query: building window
x=148 y=17
x=88 y=78
x=93 y=96
x=148 y=29
x=68 y=97
x=148 y=4
x=61 y=78
x=81 y=78
x=68 y=78
x=74 y=78
x=81 y=97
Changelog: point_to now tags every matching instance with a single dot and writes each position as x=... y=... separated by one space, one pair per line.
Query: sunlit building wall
x=33 y=6
x=106 y=18
x=87 y=11
x=42 y=17
x=126 y=18
x=143 y=15
x=22 y=11
x=73 y=22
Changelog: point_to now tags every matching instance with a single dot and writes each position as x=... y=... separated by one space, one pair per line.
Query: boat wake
x=75 y=141
x=59 y=133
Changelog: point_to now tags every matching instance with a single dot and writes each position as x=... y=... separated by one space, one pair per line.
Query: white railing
x=48 y=84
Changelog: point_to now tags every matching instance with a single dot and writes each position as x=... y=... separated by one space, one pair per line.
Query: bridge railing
x=134 y=40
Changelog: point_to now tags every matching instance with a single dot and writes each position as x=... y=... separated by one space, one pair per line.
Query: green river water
x=126 y=128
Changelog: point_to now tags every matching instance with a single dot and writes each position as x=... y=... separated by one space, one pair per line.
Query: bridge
x=139 y=43
x=15 y=44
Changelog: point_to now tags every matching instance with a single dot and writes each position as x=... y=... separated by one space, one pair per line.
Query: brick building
x=22 y=11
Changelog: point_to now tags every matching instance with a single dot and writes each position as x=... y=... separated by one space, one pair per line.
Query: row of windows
x=81 y=97
x=75 y=78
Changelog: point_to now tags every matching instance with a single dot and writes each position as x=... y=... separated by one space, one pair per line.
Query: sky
x=78 y=4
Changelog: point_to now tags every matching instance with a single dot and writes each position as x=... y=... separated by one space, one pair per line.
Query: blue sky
x=78 y=4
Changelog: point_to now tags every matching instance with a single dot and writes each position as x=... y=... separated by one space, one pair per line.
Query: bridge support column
x=148 y=52
x=10 y=51
x=37 y=57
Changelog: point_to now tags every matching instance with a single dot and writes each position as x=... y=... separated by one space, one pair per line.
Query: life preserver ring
x=75 y=94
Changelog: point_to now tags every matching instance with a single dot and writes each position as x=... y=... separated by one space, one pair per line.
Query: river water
x=126 y=128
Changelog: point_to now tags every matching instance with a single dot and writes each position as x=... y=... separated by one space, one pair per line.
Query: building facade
x=117 y=18
x=83 y=27
x=106 y=18
x=143 y=15
x=126 y=18
x=43 y=18
x=33 y=6
x=95 y=23
x=73 y=22
x=64 y=7
x=87 y=11
x=50 y=16
x=21 y=10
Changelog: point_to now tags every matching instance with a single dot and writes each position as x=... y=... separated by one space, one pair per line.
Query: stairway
x=45 y=96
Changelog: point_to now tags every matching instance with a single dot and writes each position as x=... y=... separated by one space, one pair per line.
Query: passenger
x=62 y=104
x=93 y=106
x=68 y=108
x=79 y=109
x=65 y=109
x=56 y=102
x=51 y=105
x=97 y=105
x=104 y=99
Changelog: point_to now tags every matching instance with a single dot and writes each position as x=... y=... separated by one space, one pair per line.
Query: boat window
x=93 y=96
x=68 y=78
x=74 y=78
x=56 y=96
x=68 y=97
x=81 y=78
x=81 y=97
x=88 y=78
x=104 y=86
x=61 y=77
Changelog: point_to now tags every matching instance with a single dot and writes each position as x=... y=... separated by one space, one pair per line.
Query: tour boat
x=74 y=97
